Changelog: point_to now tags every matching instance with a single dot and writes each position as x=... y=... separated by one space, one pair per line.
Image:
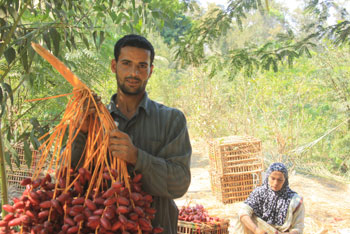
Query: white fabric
x=294 y=219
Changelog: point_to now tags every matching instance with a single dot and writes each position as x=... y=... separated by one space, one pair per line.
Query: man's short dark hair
x=134 y=41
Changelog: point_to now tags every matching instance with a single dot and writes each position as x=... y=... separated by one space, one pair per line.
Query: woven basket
x=17 y=174
x=234 y=188
x=235 y=154
x=235 y=167
x=202 y=228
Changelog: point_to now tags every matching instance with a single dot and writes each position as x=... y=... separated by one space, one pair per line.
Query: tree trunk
x=3 y=178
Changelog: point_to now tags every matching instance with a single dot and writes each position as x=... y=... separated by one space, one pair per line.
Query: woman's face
x=276 y=180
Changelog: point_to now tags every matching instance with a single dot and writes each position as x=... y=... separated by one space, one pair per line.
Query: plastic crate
x=202 y=228
x=17 y=174
x=235 y=155
x=234 y=188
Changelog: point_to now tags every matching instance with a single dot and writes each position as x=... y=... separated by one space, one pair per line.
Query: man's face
x=132 y=70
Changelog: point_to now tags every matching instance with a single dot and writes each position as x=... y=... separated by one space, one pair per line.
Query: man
x=151 y=137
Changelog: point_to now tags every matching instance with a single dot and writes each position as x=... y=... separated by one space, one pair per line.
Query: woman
x=272 y=208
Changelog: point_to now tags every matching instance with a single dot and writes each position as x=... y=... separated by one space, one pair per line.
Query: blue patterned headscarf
x=269 y=205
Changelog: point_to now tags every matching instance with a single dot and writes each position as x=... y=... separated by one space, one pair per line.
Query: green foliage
x=238 y=70
x=74 y=31
x=338 y=33
x=296 y=111
x=173 y=31
x=268 y=51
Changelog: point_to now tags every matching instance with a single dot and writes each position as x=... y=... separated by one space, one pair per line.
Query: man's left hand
x=122 y=147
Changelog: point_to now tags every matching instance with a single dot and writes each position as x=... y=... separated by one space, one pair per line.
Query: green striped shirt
x=160 y=133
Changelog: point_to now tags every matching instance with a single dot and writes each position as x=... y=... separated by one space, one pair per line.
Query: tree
x=285 y=48
x=61 y=26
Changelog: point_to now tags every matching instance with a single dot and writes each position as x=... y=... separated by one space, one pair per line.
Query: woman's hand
x=259 y=231
x=292 y=232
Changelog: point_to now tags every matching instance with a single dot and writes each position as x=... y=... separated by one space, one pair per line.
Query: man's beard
x=126 y=91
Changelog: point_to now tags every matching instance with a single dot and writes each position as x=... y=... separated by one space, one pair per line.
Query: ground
x=327 y=202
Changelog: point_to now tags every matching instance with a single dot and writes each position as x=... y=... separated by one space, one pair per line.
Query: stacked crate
x=235 y=167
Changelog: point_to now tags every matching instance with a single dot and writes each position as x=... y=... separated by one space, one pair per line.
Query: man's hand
x=91 y=111
x=122 y=147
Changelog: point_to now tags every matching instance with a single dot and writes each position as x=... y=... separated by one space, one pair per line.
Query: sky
x=291 y=4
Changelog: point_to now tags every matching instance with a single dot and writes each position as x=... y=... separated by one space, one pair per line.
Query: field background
x=326 y=201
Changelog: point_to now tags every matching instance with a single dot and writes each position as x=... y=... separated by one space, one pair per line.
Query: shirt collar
x=144 y=104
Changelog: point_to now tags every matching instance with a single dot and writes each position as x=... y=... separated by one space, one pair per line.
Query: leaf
x=24 y=136
x=3 y=106
x=31 y=54
x=2 y=13
x=27 y=154
x=8 y=90
x=17 y=161
x=118 y=18
x=113 y=15
x=68 y=46
x=8 y=134
x=1 y=95
x=36 y=126
x=24 y=58
x=34 y=122
x=110 y=4
x=2 y=22
x=290 y=61
x=307 y=51
x=35 y=142
x=102 y=37
x=8 y=160
x=126 y=27
x=72 y=41
x=13 y=152
x=10 y=55
x=12 y=12
x=85 y=40
x=275 y=66
x=94 y=35
x=47 y=40
x=55 y=36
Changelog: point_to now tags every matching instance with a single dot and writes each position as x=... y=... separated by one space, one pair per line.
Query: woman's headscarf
x=269 y=205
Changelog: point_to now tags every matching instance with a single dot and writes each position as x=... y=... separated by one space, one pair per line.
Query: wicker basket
x=17 y=174
x=235 y=155
x=234 y=188
x=202 y=228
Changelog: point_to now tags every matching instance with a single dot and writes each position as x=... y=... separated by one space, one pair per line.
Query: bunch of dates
x=48 y=207
x=196 y=214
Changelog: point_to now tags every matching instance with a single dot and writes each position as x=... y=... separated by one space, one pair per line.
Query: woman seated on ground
x=272 y=207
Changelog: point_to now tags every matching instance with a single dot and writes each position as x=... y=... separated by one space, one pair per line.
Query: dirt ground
x=327 y=202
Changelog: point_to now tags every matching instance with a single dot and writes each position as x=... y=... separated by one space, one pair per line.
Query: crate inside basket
x=234 y=188
x=17 y=174
x=185 y=227
x=235 y=154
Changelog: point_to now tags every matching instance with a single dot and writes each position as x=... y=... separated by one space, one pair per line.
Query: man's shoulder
x=157 y=106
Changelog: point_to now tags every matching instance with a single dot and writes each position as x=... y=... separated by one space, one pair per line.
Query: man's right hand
x=91 y=111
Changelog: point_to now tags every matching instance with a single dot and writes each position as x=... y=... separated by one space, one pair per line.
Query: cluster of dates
x=196 y=214
x=47 y=207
